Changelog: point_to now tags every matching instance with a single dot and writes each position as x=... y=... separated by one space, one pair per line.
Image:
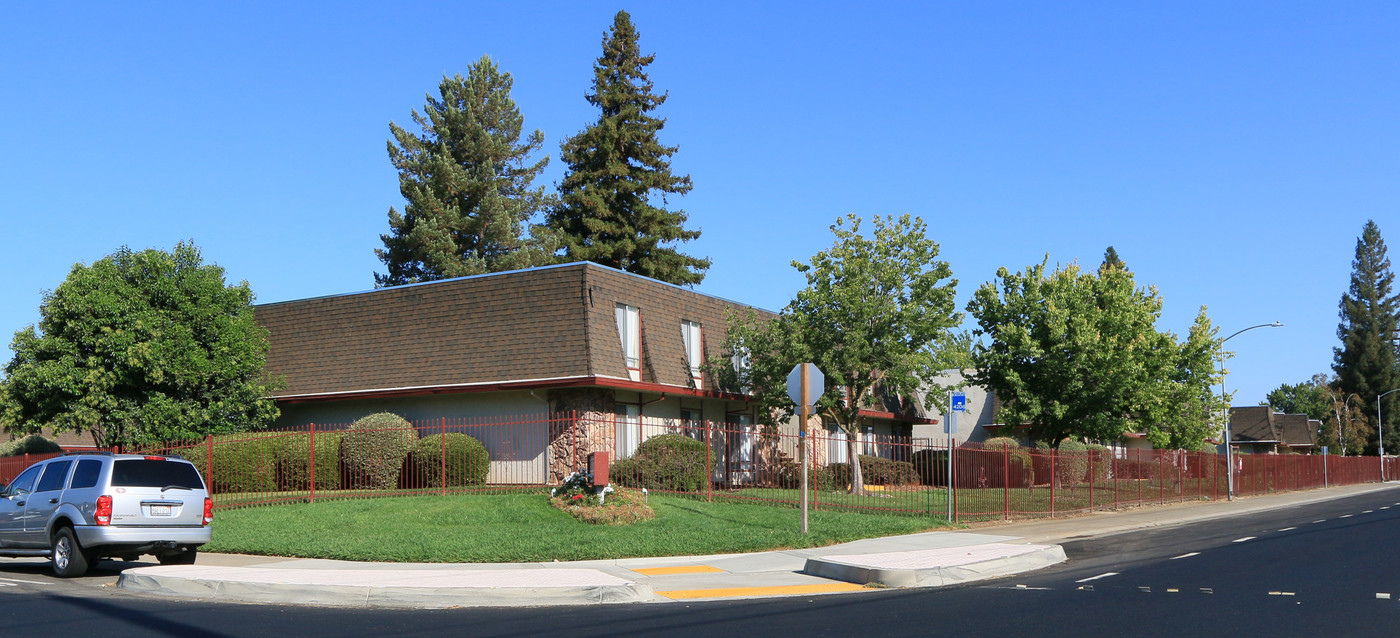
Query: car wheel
x=69 y=561
x=185 y=557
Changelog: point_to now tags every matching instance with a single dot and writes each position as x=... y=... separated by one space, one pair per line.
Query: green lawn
x=522 y=527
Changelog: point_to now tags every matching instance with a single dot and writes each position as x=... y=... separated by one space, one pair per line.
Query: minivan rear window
x=151 y=473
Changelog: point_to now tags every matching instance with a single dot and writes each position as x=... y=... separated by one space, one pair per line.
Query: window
x=694 y=349
x=628 y=423
x=54 y=475
x=86 y=474
x=691 y=425
x=25 y=483
x=147 y=473
x=742 y=365
x=629 y=327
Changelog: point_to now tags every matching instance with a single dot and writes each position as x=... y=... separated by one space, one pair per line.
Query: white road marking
x=27 y=582
x=1345 y=516
x=1386 y=507
x=1288 y=529
x=1103 y=575
x=1367 y=511
x=1383 y=596
x=1323 y=520
x=1185 y=555
x=1241 y=540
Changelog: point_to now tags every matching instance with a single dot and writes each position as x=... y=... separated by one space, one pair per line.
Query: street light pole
x=1380 y=438
x=1229 y=454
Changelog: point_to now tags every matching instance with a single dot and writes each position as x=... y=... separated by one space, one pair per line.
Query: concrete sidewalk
x=917 y=560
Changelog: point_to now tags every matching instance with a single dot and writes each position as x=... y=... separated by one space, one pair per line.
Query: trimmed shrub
x=1102 y=461
x=1071 y=462
x=374 y=450
x=669 y=462
x=877 y=471
x=931 y=466
x=836 y=476
x=294 y=459
x=467 y=460
x=243 y=462
x=32 y=444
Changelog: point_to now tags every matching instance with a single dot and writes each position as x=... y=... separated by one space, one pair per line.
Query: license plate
x=160 y=510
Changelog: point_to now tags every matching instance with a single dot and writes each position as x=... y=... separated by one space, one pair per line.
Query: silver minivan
x=81 y=508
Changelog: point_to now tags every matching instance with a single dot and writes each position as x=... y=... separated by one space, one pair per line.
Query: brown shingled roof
x=1253 y=423
x=542 y=323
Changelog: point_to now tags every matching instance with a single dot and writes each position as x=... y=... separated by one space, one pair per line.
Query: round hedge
x=294 y=461
x=32 y=444
x=374 y=450
x=467 y=460
x=669 y=462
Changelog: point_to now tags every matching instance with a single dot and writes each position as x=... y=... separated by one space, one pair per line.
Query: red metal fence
x=734 y=461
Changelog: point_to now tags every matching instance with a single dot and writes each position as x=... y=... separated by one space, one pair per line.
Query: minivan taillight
x=104 y=510
x=208 y=510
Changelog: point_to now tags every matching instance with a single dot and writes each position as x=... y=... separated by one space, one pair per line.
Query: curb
x=230 y=584
x=936 y=568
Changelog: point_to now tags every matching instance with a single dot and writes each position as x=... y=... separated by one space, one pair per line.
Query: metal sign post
x=957 y=402
x=805 y=385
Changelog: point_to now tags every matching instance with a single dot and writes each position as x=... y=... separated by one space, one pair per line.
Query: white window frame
x=742 y=367
x=693 y=335
x=627 y=429
x=629 y=330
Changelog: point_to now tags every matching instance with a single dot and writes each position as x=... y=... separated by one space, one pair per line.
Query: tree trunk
x=857 y=481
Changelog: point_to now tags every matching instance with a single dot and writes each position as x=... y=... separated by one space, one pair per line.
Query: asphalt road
x=1317 y=569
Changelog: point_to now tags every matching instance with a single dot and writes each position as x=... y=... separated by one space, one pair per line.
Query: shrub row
x=372 y=454
x=32 y=444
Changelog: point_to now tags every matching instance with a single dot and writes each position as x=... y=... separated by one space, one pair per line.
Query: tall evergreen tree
x=607 y=214
x=1111 y=260
x=1366 y=362
x=467 y=181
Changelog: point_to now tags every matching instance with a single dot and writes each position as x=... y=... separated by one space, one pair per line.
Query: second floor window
x=694 y=348
x=629 y=327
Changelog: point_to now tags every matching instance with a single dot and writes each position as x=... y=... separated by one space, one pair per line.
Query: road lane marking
x=781 y=590
x=1185 y=555
x=1383 y=596
x=1103 y=575
x=1173 y=590
x=1207 y=590
x=1289 y=529
x=1241 y=540
x=1345 y=516
x=1367 y=511
x=1319 y=521
x=681 y=569
x=1386 y=507
x=27 y=582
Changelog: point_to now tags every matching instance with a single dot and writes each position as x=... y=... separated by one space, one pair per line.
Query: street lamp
x=1229 y=454
x=1380 y=440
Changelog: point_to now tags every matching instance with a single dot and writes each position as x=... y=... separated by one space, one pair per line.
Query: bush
x=293 y=461
x=877 y=471
x=374 y=450
x=32 y=444
x=931 y=466
x=669 y=462
x=243 y=462
x=467 y=460
x=1102 y=459
x=1072 y=462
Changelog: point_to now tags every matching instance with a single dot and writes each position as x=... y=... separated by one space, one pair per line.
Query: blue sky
x=1230 y=152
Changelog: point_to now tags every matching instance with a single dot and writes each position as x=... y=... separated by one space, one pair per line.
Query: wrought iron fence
x=730 y=461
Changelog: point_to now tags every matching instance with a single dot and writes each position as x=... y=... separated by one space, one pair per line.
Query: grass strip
x=520 y=527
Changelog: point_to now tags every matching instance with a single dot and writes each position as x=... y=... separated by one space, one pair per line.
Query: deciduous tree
x=617 y=168
x=139 y=348
x=874 y=316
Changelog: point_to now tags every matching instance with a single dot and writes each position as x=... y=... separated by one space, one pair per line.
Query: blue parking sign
x=959 y=402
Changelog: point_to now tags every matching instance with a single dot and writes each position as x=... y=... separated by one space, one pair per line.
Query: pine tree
x=467 y=182
x=1366 y=362
x=1111 y=260
x=607 y=214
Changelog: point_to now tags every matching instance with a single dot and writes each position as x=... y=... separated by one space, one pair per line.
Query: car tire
x=185 y=557
x=69 y=560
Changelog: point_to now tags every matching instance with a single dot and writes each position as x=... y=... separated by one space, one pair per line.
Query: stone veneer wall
x=592 y=431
